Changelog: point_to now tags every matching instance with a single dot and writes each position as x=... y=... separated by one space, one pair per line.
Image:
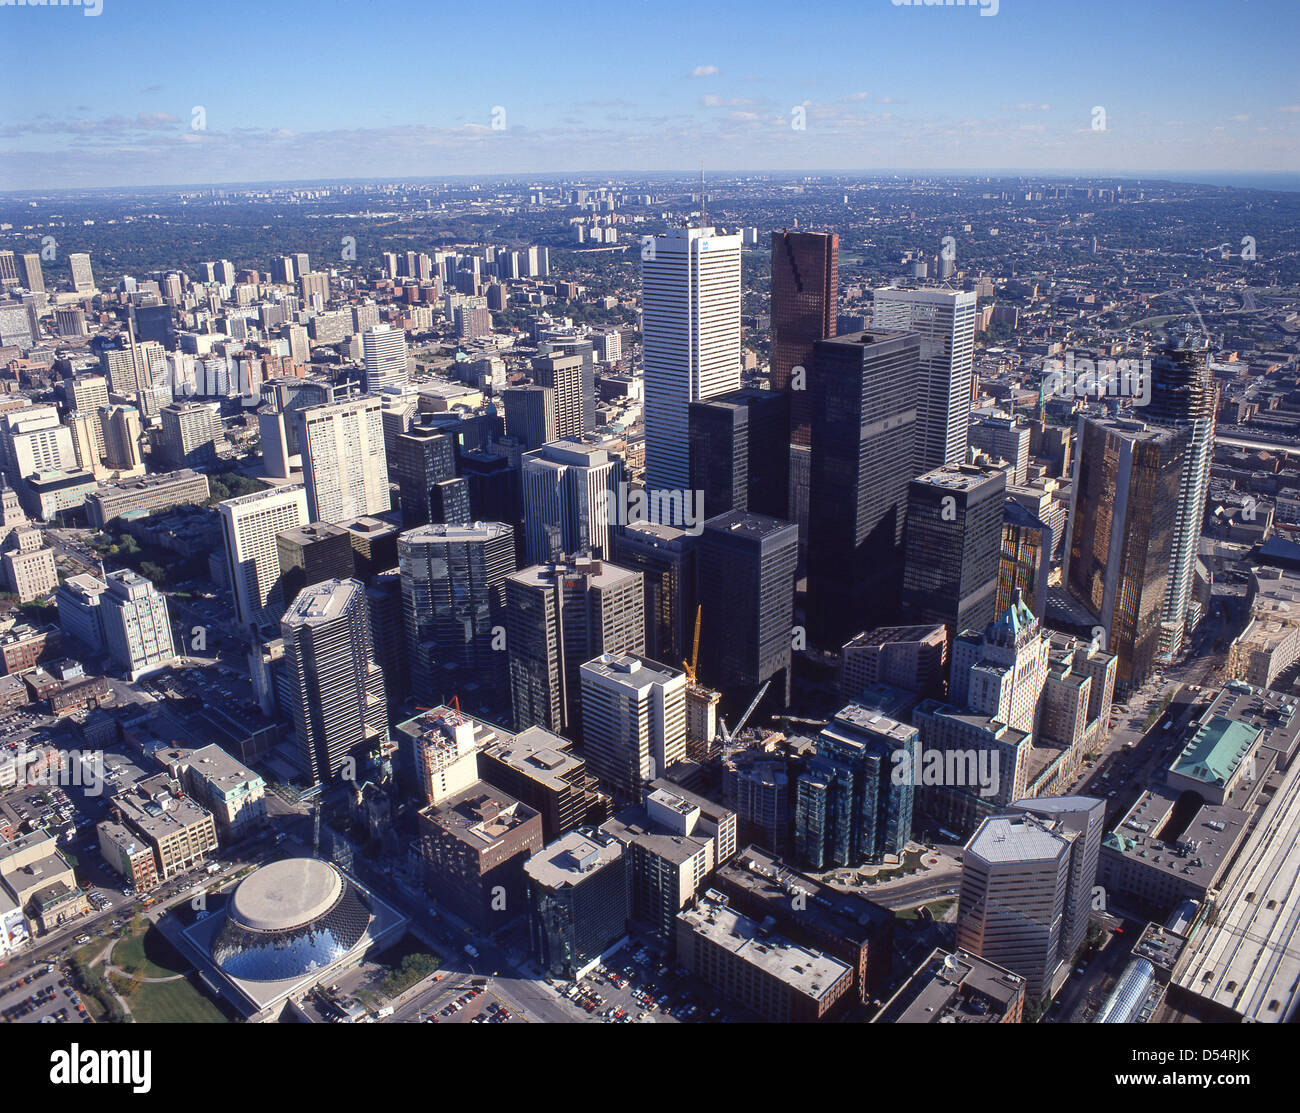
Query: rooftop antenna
x=704 y=215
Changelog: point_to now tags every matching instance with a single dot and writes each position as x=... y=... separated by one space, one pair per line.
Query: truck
x=471 y=950
x=387 y=1010
x=213 y=867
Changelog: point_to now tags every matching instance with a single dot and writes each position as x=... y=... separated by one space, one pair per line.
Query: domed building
x=289 y=926
x=289 y=919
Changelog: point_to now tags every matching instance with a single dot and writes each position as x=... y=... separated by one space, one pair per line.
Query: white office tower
x=945 y=320
x=1015 y=879
x=249 y=524
x=690 y=327
x=136 y=627
x=383 y=355
x=570 y=492
x=339 y=710
x=343 y=462
x=633 y=721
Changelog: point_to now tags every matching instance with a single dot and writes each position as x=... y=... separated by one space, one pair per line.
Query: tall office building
x=954 y=546
x=633 y=721
x=805 y=297
x=83 y=278
x=559 y=616
x=420 y=459
x=739 y=445
x=249 y=525
x=1085 y=815
x=1003 y=437
x=746 y=592
x=690 y=325
x=1124 y=505
x=383 y=356
x=530 y=415
x=312 y=554
x=339 y=709
x=666 y=558
x=864 y=413
x=344 y=467
x=945 y=321
x=849 y=807
x=137 y=631
x=1184 y=396
x=8 y=270
x=1011 y=910
x=1000 y=670
x=29 y=273
x=453 y=605
x=563 y=376
x=570 y=488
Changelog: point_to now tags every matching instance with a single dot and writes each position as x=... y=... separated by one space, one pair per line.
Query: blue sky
x=361 y=88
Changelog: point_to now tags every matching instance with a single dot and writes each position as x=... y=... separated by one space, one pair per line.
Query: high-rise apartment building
x=190 y=432
x=633 y=721
x=690 y=322
x=383 y=355
x=344 y=467
x=563 y=376
x=849 y=806
x=954 y=546
x=339 y=710
x=249 y=526
x=559 y=616
x=945 y=322
x=1124 y=505
x=1184 y=396
x=137 y=630
x=864 y=415
x=122 y=435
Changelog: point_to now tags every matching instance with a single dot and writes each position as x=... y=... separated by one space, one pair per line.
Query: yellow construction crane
x=691 y=665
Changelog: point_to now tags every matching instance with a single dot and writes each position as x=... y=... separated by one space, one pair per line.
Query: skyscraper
x=805 y=299
x=137 y=631
x=954 y=546
x=563 y=376
x=690 y=323
x=633 y=721
x=1026 y=561
x=420 y=459
x=666 y=558
x=453 y=604
x=383 y=355
x=338 y=690
x=121 y=428
x=1124 y=505
x=739 y=445
x=344 y=467
x=249 y=525
x=83 y=278
x=746 y=591
x=864 y=412
x=849 y=808
x=530 y=415
x=559 y=616
x=1184 y=396
x=311 y=554
x=945 y=321
x=570 y=488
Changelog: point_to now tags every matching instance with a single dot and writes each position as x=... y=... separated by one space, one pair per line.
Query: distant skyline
x=301 y=91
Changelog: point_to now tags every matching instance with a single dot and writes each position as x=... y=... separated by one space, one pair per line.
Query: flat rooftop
x=805 y=971
x=953 y=988
x=572 y=858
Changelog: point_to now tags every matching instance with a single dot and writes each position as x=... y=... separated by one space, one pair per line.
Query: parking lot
x=43 y=997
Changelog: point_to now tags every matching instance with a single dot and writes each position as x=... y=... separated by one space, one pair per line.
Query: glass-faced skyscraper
x=864 y=414
x=739 y=444
x=1183 y=396
x=1123 y=511
x=805 y=297
x=945 y=321
x=690 y=327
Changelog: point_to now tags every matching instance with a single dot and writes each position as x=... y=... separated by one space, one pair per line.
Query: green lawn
x=149 y=954
x=178 y=1002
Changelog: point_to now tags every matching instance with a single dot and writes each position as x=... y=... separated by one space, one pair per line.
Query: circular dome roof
x=286 y=894
x=288 y=919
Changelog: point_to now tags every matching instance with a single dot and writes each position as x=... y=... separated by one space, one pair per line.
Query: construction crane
x=729 y=737
x=691 y=665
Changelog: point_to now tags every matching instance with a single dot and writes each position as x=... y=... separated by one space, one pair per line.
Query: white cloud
x=705 y=71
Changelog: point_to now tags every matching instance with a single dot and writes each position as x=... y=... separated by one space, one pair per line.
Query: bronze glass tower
x=805 y=285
